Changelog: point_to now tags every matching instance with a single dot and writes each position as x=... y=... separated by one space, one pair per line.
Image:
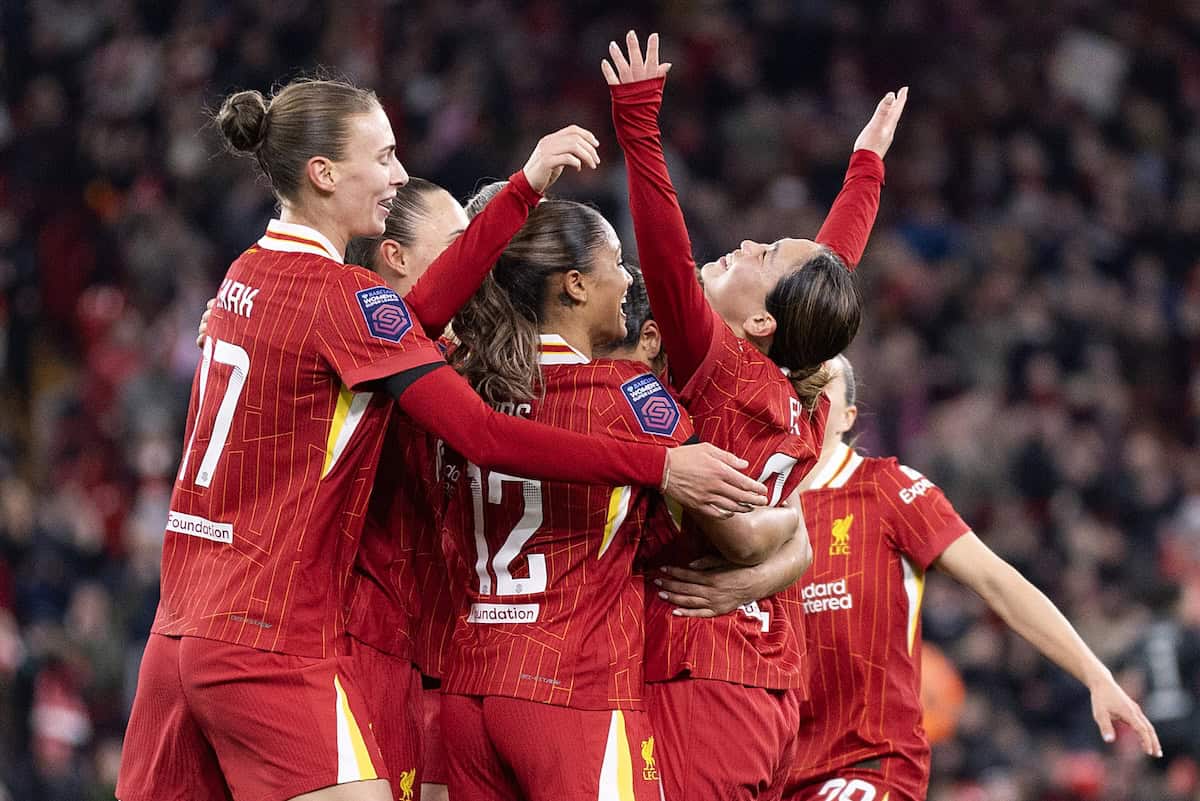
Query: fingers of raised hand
x=635 y=50
x=618 y=59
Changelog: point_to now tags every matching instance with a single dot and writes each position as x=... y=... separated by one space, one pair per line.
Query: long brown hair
x=499 y=327
x=306 y=118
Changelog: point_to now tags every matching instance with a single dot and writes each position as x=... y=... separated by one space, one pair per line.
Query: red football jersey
x=399 y=593
x=551 y=609
x=403 y=518
x=875 y=526
x=281 y=446
x=740 y=401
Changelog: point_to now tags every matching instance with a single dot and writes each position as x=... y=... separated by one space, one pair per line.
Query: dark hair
x=482 y=197
x=498 y=327
x=408 y=210
x=817 y=311
x=306 y=118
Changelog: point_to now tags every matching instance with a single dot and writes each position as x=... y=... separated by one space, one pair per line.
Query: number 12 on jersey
x=216 y=352
x=526 y=527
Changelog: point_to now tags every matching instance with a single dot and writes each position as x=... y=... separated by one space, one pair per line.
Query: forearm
x=852 y=216
x=751 y=538
x=456 y=274
x=1035 y=617
x=664 y=250
x=444 y=404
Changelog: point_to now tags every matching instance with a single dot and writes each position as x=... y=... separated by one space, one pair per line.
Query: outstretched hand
x=877 y=135
x=635 y=68
x=1110 y=703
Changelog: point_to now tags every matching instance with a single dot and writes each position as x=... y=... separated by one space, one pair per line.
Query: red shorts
x=848 y=785
x=722 y=740
x=433 y=752
x=212 y=720
x=392 y=688
x=506 y=749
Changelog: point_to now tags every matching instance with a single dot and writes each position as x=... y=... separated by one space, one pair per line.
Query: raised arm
x=456 y=274
x=665 y=252
x=852 y=216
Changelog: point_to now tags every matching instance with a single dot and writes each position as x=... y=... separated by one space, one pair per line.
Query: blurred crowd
x=1031 y=341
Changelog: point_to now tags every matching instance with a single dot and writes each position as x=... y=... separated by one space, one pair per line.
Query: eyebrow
x=455 y=234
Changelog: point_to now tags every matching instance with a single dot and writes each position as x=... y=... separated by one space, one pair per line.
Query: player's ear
x=650 y=340
x=392 y=258
x=759 y=325
x=574 y=289
x=320 y=172
x=851 y=416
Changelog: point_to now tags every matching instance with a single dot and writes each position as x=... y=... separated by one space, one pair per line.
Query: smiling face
x=366 y=179
x=737 y=284
x=607 y=283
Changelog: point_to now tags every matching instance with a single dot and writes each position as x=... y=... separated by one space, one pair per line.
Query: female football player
x=745 y=352
x=876 y=527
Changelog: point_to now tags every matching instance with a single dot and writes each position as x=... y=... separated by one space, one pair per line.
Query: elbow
x=746 y=553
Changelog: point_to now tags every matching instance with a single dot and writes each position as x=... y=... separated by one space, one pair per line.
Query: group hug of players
x=602 y=541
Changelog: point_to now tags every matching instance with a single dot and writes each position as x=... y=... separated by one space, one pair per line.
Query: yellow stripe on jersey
x=354 y=761
x=624 y=762
x=675 y=511
x=914 y=590
x=616 y=770
x=346 y=417
x=618 y=508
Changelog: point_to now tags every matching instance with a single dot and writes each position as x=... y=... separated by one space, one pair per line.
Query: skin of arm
x=1035 y=617
x=710 y=587
x=752 y=537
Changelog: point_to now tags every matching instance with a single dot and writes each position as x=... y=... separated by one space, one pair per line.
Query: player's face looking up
x=737 y=283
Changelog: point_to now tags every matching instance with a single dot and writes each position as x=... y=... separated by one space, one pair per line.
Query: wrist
x=521 y=184
x=1097 y=675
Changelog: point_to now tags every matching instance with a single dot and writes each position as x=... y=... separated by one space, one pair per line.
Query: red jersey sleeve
x=920 y=520
x=457 y=273
x=365 y=331
x=444 y=404
x=665 y=252
x=852 y=216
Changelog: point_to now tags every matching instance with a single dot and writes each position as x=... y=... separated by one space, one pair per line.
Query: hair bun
x=243 y=120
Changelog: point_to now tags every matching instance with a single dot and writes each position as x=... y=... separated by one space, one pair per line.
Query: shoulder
x=626 y=391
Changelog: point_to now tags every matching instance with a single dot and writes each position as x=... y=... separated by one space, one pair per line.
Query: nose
x=399 y=174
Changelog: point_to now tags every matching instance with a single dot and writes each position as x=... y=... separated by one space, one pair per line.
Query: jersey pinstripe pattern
x=740 y=401
x=280 y=448
x=552 y=610
x=875 y=526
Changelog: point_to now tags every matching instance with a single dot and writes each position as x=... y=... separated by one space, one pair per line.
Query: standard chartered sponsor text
x=827 y=596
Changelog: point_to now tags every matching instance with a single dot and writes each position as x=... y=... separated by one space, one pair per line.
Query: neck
x=828 y=452
x=316 y=221
x=572 y=331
